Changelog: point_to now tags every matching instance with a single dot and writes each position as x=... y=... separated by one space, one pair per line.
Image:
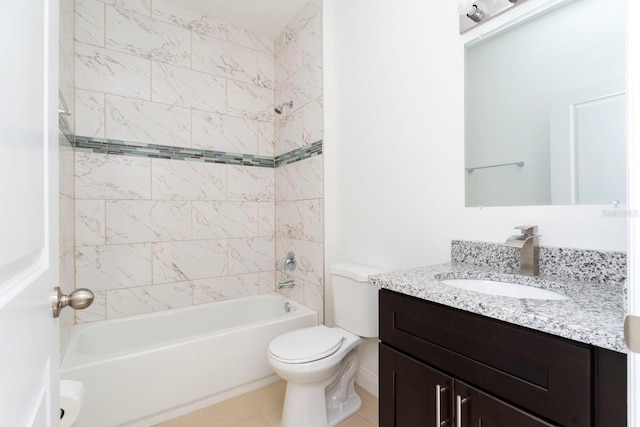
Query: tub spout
x=286 y=285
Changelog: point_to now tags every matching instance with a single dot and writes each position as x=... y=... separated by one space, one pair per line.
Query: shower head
x=280 y=107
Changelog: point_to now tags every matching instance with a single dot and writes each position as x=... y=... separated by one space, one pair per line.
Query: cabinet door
x=412 y=393
x=474 y=408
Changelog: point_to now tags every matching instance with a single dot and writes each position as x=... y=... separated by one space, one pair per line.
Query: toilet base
x=341 y=397
x=345 y=410
x=323 y=404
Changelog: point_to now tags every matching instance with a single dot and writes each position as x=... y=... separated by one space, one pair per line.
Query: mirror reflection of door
x=588 y=145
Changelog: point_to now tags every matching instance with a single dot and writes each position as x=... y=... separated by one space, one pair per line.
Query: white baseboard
x=368 y=381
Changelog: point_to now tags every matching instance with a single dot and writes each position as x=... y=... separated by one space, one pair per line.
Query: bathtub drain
x=287 y=307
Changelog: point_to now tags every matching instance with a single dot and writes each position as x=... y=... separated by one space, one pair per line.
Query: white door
x=28 y=212
x=633 y=136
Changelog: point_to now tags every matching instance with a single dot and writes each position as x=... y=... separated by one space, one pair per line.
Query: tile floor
x=263 y=408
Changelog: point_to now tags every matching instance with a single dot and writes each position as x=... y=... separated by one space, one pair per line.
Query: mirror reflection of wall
x=548 y=92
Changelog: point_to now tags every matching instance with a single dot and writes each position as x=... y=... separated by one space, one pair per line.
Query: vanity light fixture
x=476 y=14
x=473 y=12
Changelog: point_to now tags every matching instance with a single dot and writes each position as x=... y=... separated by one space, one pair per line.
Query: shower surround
x=154 y=234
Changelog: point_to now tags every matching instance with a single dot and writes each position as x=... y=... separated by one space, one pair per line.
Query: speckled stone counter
x=594 y=314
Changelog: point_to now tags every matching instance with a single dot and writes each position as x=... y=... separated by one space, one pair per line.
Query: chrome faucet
x=528 y=244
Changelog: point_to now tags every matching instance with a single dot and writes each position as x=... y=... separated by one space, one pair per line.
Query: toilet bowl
x=310 y=373
x=320 y=363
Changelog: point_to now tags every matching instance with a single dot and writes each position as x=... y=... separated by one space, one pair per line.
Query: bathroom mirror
x=545 y=110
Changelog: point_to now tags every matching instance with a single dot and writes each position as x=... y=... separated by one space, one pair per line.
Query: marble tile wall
x=154 y=234
x=154 y=72
x=299 y=185
x=66 y=167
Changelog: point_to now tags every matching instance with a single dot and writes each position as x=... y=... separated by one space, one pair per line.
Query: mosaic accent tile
x=157 y=151
x=574 y=264
x=299 y=154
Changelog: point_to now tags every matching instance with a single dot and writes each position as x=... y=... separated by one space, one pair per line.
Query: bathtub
x=150 y=368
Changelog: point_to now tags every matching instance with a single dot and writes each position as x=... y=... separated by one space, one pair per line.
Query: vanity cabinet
x=414 y=394
x=463 y=369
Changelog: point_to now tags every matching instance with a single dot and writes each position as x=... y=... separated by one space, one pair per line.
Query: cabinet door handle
x=439 y=391
x=459 y=402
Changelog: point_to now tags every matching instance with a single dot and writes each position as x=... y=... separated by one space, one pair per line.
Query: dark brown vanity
x=441 y=366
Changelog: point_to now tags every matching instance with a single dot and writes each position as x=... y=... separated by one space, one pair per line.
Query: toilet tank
x=355 y=300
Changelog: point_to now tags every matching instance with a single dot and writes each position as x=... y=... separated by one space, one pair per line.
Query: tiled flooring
x=263 y=408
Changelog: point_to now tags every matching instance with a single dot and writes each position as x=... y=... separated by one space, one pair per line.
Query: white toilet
x=320 y=363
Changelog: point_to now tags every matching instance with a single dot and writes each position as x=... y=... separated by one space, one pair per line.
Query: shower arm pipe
x=520 y=164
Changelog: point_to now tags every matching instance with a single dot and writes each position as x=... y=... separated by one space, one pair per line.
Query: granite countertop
x=594 y=314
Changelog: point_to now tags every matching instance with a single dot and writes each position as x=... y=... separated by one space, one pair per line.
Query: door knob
x=78 y=300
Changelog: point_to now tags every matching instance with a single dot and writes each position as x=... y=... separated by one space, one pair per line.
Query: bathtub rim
x=74 y=359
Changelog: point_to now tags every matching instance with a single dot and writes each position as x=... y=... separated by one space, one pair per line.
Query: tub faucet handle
x=290 y=263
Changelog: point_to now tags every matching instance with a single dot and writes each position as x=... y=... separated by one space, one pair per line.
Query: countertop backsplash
x=585 y=265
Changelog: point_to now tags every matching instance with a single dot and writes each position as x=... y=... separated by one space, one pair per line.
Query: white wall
x=394 y=145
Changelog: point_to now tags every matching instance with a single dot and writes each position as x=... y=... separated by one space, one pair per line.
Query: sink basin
x=504 y=289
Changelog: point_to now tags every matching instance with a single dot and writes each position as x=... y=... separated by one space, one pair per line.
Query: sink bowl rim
x=501 y=288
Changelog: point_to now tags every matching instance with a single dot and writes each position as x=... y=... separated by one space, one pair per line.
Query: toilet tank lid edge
x=356 y=272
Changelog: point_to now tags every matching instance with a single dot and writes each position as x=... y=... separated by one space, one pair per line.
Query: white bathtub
x=146 y=369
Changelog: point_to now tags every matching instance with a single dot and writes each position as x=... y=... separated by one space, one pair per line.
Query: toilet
x=320 y=363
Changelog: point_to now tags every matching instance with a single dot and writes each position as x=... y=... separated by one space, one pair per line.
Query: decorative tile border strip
x=302 y=153
x=156 y=151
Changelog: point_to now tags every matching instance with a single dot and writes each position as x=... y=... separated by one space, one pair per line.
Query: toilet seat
x=306 y=345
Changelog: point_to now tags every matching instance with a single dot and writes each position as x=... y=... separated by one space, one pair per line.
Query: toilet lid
x=306 y=345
